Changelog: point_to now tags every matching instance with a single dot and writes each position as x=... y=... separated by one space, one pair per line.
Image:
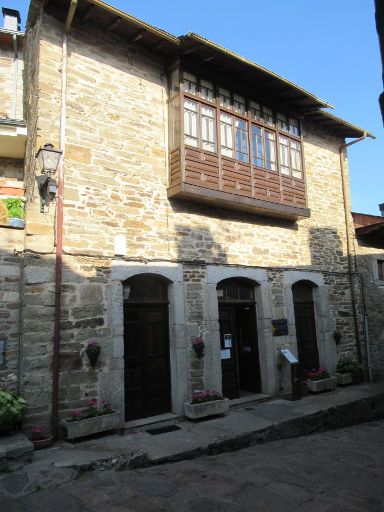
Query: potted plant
x=12 y=409
x=39 y=438
x=348 y=372
x=91 y=420
x=319 y=380
x=198 y=346
x=93 y=350
x=206 y=403
x=15 y=209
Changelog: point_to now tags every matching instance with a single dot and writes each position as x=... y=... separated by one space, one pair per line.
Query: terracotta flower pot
x=44 y=441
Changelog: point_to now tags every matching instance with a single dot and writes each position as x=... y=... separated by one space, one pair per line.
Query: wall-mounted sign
x=226 y=354
x=289 y=356
x=280 y=327
x=228 y=340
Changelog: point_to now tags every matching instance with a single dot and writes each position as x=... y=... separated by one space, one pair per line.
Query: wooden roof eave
x=199 y=46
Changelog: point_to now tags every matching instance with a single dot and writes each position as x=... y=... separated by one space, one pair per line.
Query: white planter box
x=317 y=386
x=90 y=426
x=343 y=379
x=213 y=408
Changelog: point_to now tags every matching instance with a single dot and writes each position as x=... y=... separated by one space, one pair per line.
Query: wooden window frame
x=250 y=119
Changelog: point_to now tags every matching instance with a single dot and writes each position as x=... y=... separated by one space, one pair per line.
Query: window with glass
x=234 y=137
x=225 y=98
x=199 y=125
x=191 y=130
x=290 y=157
x=189 y=83
x=207 y=90
x=226 y=134
x=252 y=133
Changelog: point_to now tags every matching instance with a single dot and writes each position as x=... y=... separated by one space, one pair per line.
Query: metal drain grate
x=163 y=430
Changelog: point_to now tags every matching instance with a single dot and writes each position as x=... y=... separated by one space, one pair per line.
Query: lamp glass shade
x=48 y=158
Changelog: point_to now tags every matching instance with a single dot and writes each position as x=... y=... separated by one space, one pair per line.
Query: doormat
x=162 y=430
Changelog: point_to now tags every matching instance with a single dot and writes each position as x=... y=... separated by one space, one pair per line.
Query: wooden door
x=240 y=366
x=229 y=364
x=247 y=348
x=146 y=358
x=305 y=325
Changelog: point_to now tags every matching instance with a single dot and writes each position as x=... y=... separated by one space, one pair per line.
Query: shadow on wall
x=83 y=317
x=373 y=296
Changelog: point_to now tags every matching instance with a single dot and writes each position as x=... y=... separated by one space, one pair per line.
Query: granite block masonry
x=116 y=179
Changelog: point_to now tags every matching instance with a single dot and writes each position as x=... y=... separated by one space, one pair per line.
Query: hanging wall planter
x=198 y=346
x=93 y=351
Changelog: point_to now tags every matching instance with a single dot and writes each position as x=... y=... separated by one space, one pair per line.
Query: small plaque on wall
x=280 y=327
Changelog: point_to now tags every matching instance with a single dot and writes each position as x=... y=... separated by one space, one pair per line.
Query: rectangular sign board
x=280 y=327
x=289 y=356
x=226 y=354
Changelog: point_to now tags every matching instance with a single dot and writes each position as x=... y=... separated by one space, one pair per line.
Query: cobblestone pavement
x=336 y=471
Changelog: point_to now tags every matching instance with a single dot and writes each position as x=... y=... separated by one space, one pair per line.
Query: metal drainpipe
x=347 y=214
x=15 y=77
x=20 y=333
x=59 y=225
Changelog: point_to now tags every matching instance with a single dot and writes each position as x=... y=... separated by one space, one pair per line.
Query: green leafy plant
x=12 y=409
x=15 y=207
x=347 y=365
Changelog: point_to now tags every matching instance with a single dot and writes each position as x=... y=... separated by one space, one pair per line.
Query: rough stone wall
x=116 y=183
x=10 y=282
x=8 y=98
x=373 y=290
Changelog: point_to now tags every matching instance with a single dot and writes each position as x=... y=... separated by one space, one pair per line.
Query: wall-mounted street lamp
x=48 y=159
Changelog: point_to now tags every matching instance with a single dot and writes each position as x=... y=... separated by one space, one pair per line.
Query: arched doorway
x=146 y=347
x=305 y=324
x=238 y=337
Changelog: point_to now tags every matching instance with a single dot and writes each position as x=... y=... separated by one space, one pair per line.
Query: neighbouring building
x=369 y=231
x=203 y=196
x=13 y=135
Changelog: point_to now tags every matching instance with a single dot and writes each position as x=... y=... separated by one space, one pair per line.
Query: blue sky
x=330 y=48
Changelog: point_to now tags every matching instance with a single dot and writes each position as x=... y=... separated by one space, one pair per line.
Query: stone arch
x=173 y=274
x=263 y=297
x=325 y=342
x=305 y=323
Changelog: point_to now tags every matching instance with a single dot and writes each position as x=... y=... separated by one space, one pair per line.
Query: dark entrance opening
x=305 y=324
x=238 y=337
x=146 y=347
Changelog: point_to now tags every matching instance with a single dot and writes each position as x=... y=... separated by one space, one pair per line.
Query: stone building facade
x=127 y=237
x=369 y=244
x=12 y=150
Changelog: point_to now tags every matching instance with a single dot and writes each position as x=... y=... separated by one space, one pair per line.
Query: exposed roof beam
x=114 y=23
x=88 y=13
x=138 y=35
x=157 y=46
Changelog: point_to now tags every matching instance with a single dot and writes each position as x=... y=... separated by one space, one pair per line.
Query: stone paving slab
x=334 y=471
x=245 y=425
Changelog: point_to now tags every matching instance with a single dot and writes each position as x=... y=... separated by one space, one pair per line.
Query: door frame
x=145 y=307
x=234 y=306
x=297 y=308
x=263 y=298
x=325 y=325
x=113 y=379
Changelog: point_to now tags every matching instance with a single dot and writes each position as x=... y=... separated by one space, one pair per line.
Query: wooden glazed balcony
x=201 y=176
